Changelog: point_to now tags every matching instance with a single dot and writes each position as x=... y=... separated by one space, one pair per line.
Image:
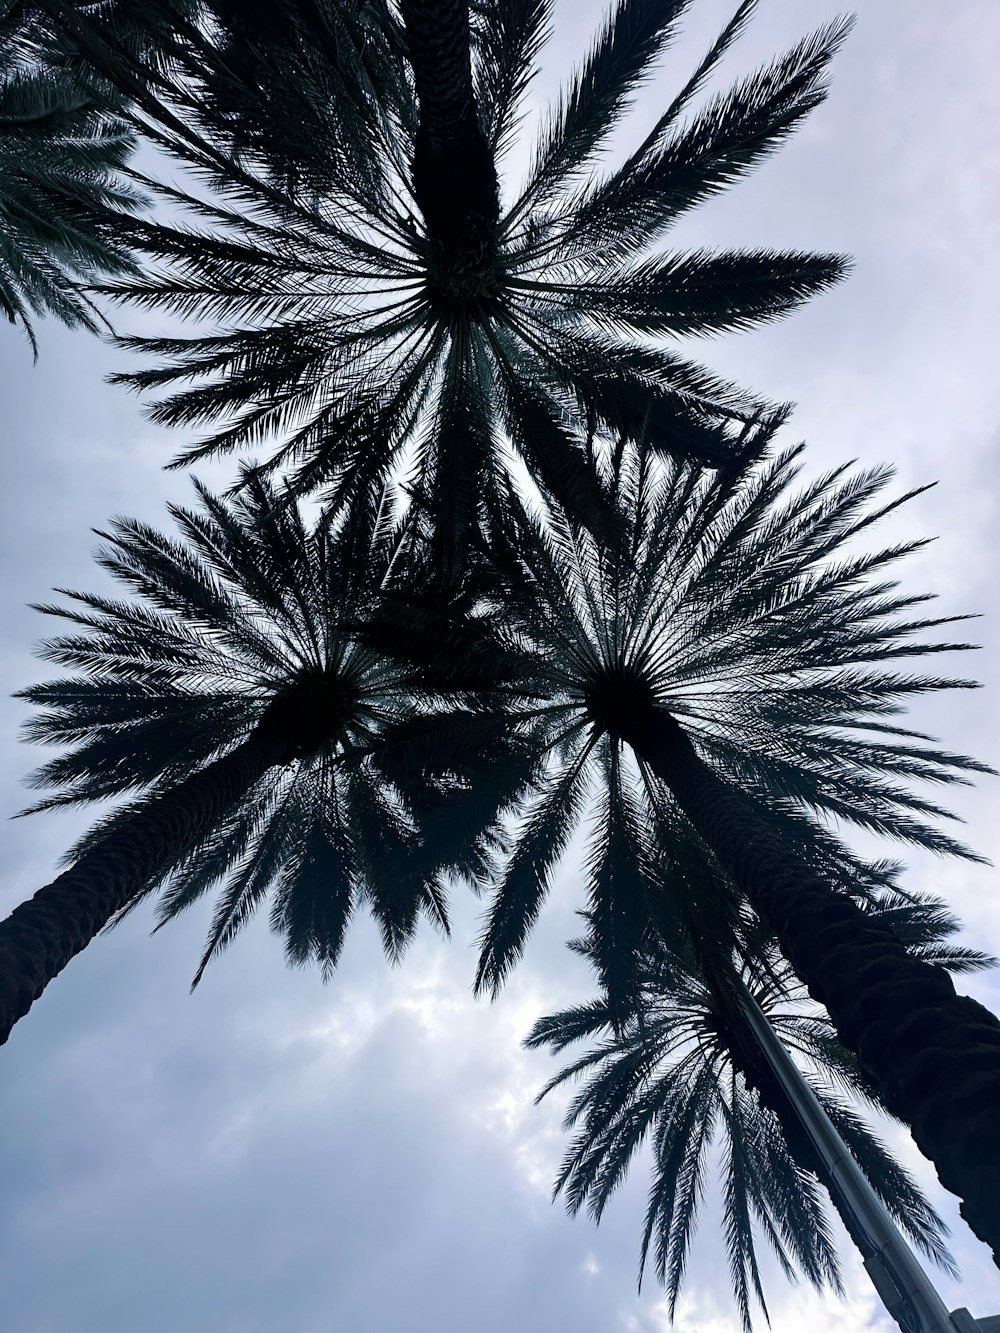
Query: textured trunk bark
x=41 y=935
x=455 y=178
x=934 y=1054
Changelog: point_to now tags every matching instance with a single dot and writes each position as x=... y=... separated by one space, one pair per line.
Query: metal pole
x=905 y=1289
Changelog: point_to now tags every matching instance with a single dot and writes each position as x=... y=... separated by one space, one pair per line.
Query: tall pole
x=905 y=1289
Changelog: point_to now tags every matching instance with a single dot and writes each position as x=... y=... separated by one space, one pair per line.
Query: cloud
x=270 y=1154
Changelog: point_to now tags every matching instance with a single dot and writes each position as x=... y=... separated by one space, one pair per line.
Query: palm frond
x=241 y=622
x=345 y=339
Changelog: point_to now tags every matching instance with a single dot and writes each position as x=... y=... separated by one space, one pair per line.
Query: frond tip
x=65 y=201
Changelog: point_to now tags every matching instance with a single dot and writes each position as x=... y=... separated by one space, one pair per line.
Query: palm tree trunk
x=455 y=178
x=41 y=935
x=934 y=1054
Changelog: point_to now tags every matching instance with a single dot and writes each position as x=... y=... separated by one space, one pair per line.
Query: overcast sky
x=272 y=1154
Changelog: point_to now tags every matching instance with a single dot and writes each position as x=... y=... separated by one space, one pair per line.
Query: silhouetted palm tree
x=685 y=1071
x=724 y=671
x=227 y=702
x=348 y=330
x=63 y=198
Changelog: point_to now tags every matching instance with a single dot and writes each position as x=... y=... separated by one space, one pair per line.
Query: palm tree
x=63 y=194
x=350 y=332
x=686 y=1071
x=230 y=708
x=454 y=173
x=724 y=671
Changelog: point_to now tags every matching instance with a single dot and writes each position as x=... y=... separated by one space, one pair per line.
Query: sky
x=272 y=1153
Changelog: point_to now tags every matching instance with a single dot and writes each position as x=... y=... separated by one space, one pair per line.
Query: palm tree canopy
x=240 y=617
x=359 y=343
x=63 y=192
x=741 y=607
x=686 y=1072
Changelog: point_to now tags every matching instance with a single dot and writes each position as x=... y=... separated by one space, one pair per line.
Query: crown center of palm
x=463 y=282
x=619 y=700
x=313 y=710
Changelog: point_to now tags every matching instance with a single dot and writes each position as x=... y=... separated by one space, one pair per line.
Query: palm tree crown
x=364 y=343
x=686 y=1071
x=236 y=627
x=722 y=675
x=728 y=601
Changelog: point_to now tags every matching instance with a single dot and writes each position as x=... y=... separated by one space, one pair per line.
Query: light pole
x=904 y=1288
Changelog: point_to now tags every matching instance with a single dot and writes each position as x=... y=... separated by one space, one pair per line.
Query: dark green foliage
x=361 y=342
x=746 y=609
x=235 y=625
